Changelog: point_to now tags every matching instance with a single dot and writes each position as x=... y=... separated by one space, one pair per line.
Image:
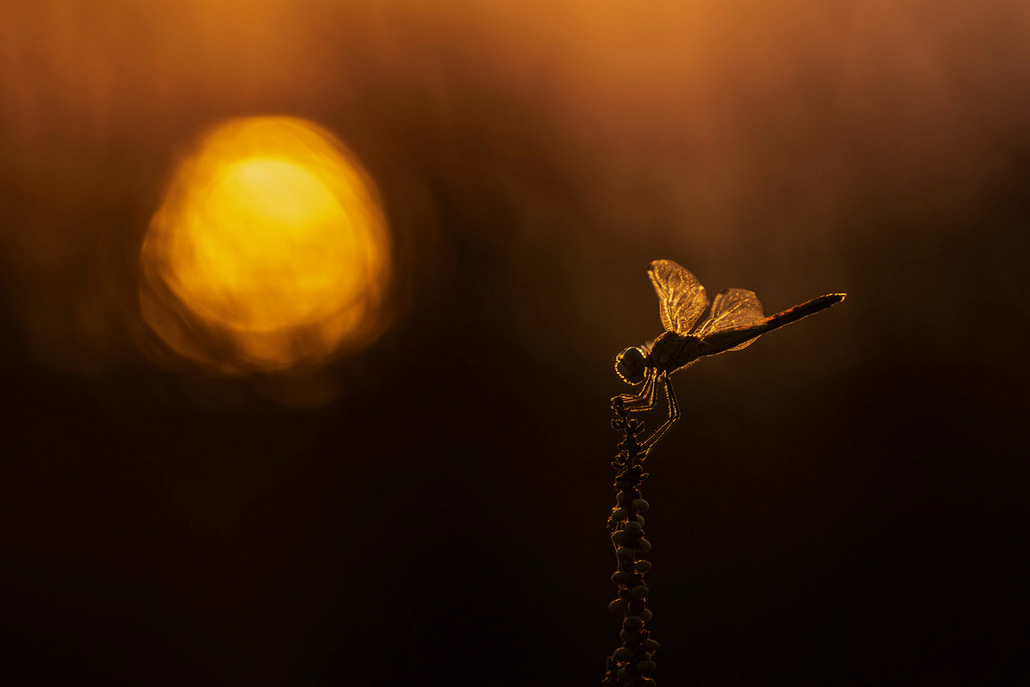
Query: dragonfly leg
x=645 y=399
x=674 y=415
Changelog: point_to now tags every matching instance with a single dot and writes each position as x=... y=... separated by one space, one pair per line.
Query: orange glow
x=269 y=249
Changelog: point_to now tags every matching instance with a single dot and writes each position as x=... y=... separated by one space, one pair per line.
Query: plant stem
x=631 y=663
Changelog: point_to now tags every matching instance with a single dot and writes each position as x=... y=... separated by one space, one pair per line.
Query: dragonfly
x=735 y=319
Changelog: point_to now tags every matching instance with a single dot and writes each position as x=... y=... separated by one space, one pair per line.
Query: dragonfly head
x=630 y=365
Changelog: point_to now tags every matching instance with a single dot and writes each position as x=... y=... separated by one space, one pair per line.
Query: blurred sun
x=269 y=250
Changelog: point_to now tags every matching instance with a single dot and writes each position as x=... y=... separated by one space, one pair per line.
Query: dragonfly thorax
x=671 y=351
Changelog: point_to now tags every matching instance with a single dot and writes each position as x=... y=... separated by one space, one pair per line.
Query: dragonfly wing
x=681 y=298
x=732 y=310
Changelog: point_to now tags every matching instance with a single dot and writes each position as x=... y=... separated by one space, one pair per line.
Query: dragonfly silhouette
x=734 y=322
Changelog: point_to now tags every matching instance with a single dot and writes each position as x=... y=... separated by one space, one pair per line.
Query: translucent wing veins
x=681 y=298
x=733 y=309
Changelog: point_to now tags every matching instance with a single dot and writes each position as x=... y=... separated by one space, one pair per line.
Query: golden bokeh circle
x=269 y=250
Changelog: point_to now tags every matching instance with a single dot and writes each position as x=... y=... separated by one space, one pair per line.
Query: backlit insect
x=734 y=322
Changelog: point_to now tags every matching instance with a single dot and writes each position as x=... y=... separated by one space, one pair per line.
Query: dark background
x=841 y=504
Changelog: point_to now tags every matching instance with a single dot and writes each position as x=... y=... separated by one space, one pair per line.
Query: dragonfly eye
x=629 y=365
